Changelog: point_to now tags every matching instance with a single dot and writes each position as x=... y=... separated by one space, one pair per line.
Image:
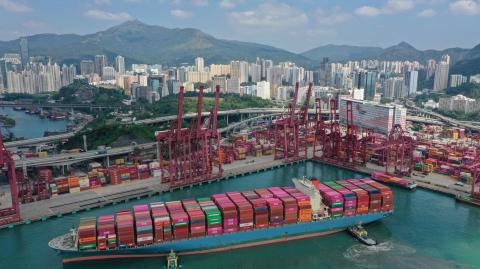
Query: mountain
x=342 y=52
x=142 y=43
x=400 y=52
x=469 y=65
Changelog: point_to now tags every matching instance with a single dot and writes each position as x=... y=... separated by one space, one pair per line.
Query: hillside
x=470 y=65
x=142 y=43
x=401 y=52
x=342 y=52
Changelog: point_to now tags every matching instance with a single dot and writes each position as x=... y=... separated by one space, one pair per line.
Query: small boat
x=361 y=235
x=172 y=261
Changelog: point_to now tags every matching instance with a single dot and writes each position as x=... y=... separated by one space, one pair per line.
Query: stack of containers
x=289 y=204
x=386 y=192
x=155 y=169
x=73 y=184
x=120 y=161
x=257 y=151
x=45 y=174
x=106 y=238
x=114 y=175
x=375 y=204
x=62 y=185
x=213 y=214
x=125 y=229
x=53 y=189
x=133 y=171
x=87 y=233
x=196 y=217
x=264 y=193
x=333 y=199
x=350 y=202
x=260 y=208
x=161 y=220
x=179 y=219
x=124 y=172
x=245 y=211
x=361 y=195
x=275 y=211
x=229 y=212
x=143 y=225
x=143 y=172
x=304 y=205
x=84 y=183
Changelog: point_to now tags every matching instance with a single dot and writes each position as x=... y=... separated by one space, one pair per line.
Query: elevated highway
x=70 y=158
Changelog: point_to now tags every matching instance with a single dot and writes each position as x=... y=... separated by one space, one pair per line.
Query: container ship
x=227 y=221
x=396 y=181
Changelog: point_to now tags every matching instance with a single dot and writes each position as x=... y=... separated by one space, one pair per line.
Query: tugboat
x=172 y=261
x=361 y=235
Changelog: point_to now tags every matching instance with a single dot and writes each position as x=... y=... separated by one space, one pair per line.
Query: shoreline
x=72 y=203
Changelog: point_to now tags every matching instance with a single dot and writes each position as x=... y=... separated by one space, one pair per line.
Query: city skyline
x=282 y=24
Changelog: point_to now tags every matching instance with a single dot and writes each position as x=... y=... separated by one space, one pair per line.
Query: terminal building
x=370 y=115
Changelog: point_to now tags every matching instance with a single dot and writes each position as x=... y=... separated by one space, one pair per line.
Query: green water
x=427 y=230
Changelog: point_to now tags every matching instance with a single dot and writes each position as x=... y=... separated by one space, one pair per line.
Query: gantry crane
x=9 y=213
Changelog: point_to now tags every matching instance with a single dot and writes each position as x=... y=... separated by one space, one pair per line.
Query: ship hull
x=229 y=241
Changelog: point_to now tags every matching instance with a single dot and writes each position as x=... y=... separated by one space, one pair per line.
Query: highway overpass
x=70 y=158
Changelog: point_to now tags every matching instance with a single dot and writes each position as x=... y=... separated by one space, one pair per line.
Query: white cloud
x=103 y=2
x=465 y=7
x=181 y=14
x=228 y=4
x=12 y=6
x=200 y=3
x=368 y=11
x=133 y=1
x=270 y=15
x=336 y=16
x=108 y=16
x=392 y=6
x=427 y=13
x=34 y=25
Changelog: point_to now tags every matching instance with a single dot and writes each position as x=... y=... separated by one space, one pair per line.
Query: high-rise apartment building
x=87 y=67
x=108 y=73
x=239 y=69
x=263 y=89
x=199 y=64
x=411 y=79
x=120 y=65
x=100 y=63
x=431 y=65
x=370 y=85
x=457 y=80
x=24 y=50
x=440 y=81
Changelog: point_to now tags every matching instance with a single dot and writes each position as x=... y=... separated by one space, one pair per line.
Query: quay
x=71 y=203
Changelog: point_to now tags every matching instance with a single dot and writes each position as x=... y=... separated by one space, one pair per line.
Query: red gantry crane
x=9 y=213
x=189 y=155
x=336 y=145
x=290 y=131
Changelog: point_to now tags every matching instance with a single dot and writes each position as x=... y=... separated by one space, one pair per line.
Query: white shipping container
x=157 y=173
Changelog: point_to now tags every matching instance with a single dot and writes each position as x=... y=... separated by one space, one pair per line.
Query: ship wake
x=369 y=256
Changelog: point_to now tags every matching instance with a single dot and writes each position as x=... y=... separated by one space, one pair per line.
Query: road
x=451 y=121
x=69 y=158
x=56 y=105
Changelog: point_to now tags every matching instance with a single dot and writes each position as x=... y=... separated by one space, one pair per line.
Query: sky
x=294 y=25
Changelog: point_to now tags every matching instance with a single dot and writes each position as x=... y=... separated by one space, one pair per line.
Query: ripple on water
x=397 y=256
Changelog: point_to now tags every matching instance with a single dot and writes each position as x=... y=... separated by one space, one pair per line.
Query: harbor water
x=31 y=126
x=427 y=230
